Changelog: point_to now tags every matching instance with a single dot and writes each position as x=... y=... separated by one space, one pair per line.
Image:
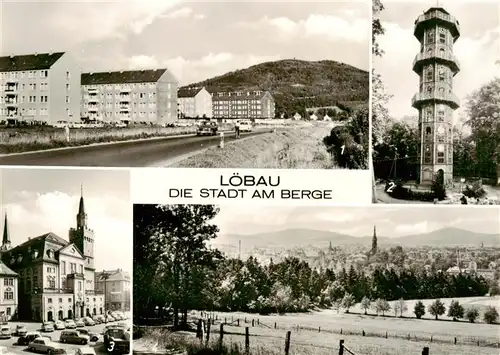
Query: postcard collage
x=259 y=178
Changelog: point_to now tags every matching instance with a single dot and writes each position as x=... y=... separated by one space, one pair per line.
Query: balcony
x=12 y=80
x=93 y=98
x=93 y=108
x=448 y=58
x=124 y=98
x=11 y=103
x=436 y=16
x=76 y=275
x=94 y=292
x=450 y=99
x=124 y=108
x=125 y=89
x=93 y=91
x=11 y=90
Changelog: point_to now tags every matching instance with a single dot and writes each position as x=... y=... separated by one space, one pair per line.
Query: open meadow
x=294 y=146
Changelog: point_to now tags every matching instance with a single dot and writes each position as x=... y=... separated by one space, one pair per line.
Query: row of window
x=236 y=102
x=122 y=86
x=8 y=282
x=31 y=87
x=49 y=300
x=118 y=104
x=31 y=99
x=135 y=95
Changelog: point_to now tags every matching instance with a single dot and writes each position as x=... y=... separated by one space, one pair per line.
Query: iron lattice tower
x=436 y=65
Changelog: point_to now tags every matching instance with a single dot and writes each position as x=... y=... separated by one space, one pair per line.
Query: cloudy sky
x=196 y=40
x=38 y=201
x=356 y=221
x=477 y=49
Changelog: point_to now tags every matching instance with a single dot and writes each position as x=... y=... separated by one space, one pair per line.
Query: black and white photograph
x=66 y=261
x=435 y=103
x=268 y=280
x=150 y=83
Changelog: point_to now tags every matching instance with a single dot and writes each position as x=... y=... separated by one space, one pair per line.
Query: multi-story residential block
x=194 y=103
x=56 y=277
x=148 y=96
x=243 y=105
x=40 y=87
x=116 y=286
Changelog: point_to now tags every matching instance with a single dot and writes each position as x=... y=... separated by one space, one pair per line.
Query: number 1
x=342 y=151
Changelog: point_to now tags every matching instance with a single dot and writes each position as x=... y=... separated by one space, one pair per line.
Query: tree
x=472 y=314
x=382 y=306
x=456 y=310
x=483 y=109
x=337 y=304
x=348 y=302
x=490 y=315
x=419 y=310
x=365 y=304
x=402 y=307
x=436 y=308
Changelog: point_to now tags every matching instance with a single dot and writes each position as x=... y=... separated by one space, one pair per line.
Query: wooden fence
x=205 y=329
x=255 y=322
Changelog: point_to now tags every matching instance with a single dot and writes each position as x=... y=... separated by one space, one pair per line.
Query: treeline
x=175 y=269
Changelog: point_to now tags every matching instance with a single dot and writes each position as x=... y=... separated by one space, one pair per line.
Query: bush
x=437 y=308
x=490 y=315
x=348 y=144
x=403 y=193
x=438 y=190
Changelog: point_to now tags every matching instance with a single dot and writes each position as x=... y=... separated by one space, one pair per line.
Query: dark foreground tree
x=472 y=314
x=419 y=310
x=437 y=308
x=172 y=256
x=456 y=310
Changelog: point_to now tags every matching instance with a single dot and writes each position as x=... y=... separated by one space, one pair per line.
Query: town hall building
x=56 y=276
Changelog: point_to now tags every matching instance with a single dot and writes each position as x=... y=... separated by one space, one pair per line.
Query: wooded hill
x=296 y=84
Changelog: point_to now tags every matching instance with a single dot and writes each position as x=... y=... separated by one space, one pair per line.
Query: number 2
x=342 y=150
x=111 y=346
x=391 y=187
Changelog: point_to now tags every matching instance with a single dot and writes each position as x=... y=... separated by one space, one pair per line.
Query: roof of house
x=233 y=97
x=38 y=61
x=5 y=271
x=35 y=249
x=122 y=77
x=188 y=92
x=113 y=275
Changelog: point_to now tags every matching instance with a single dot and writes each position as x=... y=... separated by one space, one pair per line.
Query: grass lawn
x=296 y=147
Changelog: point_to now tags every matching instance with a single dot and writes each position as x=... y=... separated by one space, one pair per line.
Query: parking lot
x=9 y=346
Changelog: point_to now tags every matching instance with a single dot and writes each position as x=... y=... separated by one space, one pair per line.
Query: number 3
x=111 y=346
x=391 y=187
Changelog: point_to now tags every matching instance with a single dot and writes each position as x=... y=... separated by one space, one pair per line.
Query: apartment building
x=147 y=96
x=39 y=87
x=116 y=286
x=243 y=105
x=194 y=103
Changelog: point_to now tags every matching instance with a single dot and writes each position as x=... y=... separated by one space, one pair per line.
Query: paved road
x=142 y=153
x=8 y=346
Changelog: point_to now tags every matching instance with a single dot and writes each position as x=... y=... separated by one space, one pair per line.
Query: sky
x=195 y=40
x=355 y=221
x=477 y=49
x=38 y=201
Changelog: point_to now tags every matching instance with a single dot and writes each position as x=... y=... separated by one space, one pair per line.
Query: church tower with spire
x=6 y=245
x=374 y=241
x=82 y=236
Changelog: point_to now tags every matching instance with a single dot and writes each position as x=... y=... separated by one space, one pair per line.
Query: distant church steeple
x=6 y=239
x=374 y=241
x=81 y=217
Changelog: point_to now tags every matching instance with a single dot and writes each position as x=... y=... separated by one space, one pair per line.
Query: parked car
x=99 y=318
x=85 y=351
x=109 y=318
x=20 y=330
x=74 y=337
x=88 y=321
x=5 y=332
x=208 y=128
x=27 y=338
x=80 y=323
x=44 y=345
x=47 y=327
x=116 y=315
x=117 y=340
x=245 y=126
x=70 y=324
x=92 y=336
x=59 y=325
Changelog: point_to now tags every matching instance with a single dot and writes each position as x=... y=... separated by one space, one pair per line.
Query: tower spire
x=5 y=239
x=81 y=217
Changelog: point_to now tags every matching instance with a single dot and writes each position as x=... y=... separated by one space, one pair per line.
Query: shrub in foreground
x=491 y=315
x=472 y=314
